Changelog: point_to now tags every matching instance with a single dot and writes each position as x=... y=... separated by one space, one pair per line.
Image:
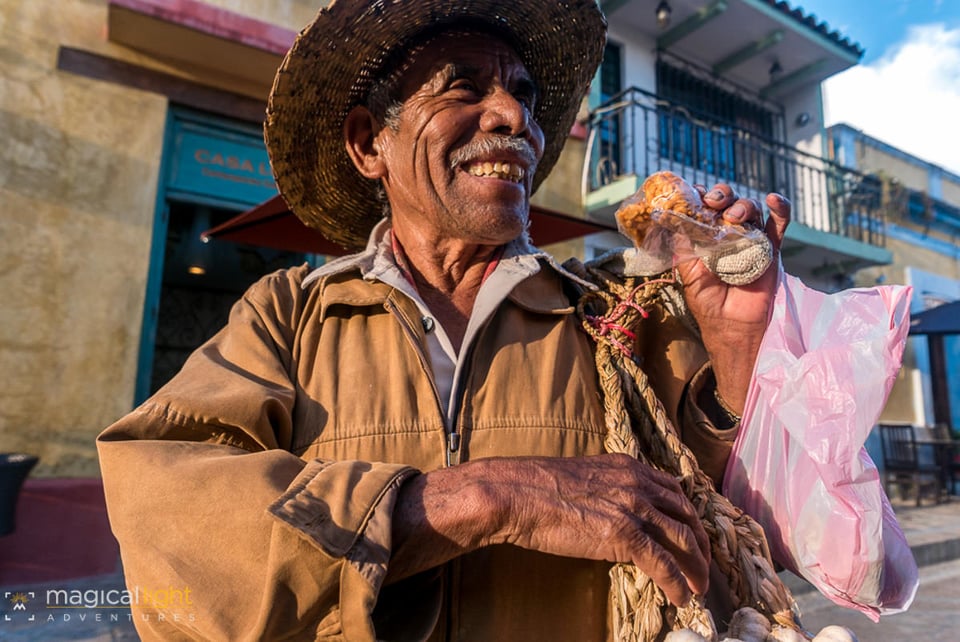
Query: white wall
x=639 y=59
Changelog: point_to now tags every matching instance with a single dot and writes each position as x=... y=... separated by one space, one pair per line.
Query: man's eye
x=526 y=100
x=464 y=85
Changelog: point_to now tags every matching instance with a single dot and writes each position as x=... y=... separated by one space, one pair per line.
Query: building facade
x=922 y=205
x=730 y=91
x=132 y=125
x=129 y=124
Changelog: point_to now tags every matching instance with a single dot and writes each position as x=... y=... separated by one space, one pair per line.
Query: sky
x=906 y=89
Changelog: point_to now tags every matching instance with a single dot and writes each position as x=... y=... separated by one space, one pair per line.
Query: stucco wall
x=950 y=190
x=560 y=191
x=911 y=175
x=78 y=173
x=292 y=14
x=78 y=183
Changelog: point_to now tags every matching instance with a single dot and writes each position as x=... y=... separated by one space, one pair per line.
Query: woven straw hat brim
x=331 y=65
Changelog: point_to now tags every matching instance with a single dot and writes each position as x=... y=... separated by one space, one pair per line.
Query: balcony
x=838 y=214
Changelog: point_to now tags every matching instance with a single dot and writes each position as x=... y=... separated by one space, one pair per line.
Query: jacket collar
x=537 y=292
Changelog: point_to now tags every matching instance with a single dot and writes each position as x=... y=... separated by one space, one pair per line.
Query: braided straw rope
x=638 y=425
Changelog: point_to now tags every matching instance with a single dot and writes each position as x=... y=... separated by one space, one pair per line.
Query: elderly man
x=407 y=443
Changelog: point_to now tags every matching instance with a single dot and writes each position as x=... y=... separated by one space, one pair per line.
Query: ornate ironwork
x=654 y=134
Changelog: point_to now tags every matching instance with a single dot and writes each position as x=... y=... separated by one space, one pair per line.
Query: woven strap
x=638 y=425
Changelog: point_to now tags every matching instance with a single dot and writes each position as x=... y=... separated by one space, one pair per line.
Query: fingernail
x=715 y=195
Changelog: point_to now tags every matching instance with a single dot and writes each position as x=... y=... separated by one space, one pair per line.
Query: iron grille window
x=713 y=103
x=610 y=130
x=709 y=128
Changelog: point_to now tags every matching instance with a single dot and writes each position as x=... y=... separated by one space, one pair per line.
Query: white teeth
x=505 y=171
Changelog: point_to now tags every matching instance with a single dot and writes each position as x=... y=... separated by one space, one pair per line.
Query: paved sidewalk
x=933 y=616
x=932 y=530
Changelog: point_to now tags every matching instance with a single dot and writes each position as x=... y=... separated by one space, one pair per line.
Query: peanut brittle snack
x=668 y=222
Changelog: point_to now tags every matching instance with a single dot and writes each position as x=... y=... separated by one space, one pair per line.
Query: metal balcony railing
x=636 y=133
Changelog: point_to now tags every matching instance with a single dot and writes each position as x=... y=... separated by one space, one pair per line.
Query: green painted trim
x=806 y=32
x=794 y=78
x=699 y=18
x=851 y=248
x=210 y=201
x=158 y=242
x=602 y=203
x=178 y=120
x=752 y=50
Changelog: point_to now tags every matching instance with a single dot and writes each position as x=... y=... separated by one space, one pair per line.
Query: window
x=610 y=129
x=710 y=128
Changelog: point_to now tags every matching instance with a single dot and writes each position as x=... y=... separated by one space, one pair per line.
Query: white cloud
x=909 y=98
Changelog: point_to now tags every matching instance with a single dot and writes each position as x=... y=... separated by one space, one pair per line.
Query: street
x=933 y=617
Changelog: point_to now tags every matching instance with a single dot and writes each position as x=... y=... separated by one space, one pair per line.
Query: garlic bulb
x=785 y=634
x=684 y=635
x=834 y=633
x=748 y=625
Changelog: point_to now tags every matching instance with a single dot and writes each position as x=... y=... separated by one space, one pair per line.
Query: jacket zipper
x=414 y=340
x=458 y=427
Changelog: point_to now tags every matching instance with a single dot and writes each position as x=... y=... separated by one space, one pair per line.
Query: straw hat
x=330 y=67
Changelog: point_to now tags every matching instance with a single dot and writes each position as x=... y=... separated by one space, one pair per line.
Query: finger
x=683 y=516
x=639 y=473
x=720 y=197
x=655 y=562
x=668 y=500
x=780 y=213
x=745 y=211
x=686 y=546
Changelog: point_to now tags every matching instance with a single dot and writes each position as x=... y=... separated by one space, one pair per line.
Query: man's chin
x=503 y=229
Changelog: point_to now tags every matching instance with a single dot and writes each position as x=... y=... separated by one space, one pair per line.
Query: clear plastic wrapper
x=669 y=224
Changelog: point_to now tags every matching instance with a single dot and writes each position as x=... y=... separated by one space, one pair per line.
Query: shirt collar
x=377 y=259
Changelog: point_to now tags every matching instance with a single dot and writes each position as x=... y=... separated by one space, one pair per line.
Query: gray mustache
x=489 y=146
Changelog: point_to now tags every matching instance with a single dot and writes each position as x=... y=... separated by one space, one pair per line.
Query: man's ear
x=360 y=131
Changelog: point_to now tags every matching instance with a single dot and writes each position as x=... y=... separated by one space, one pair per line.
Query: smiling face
x=457 y=162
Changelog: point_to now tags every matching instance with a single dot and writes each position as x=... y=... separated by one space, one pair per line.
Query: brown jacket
x=261 y=479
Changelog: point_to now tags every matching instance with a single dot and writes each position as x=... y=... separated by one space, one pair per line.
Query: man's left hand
x=733 y=319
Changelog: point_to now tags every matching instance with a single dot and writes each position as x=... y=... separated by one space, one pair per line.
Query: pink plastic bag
x=825 y=368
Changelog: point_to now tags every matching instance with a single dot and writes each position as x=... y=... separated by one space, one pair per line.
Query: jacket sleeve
x=698 y=426
x=677 y=364
x=224 y=534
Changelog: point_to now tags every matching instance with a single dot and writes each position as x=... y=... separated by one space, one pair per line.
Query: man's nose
x=504 y=114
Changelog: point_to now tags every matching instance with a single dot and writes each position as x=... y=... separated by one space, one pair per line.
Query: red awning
x=272 y=224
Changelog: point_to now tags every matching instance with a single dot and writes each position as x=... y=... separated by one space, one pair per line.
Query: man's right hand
x=606 y=507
